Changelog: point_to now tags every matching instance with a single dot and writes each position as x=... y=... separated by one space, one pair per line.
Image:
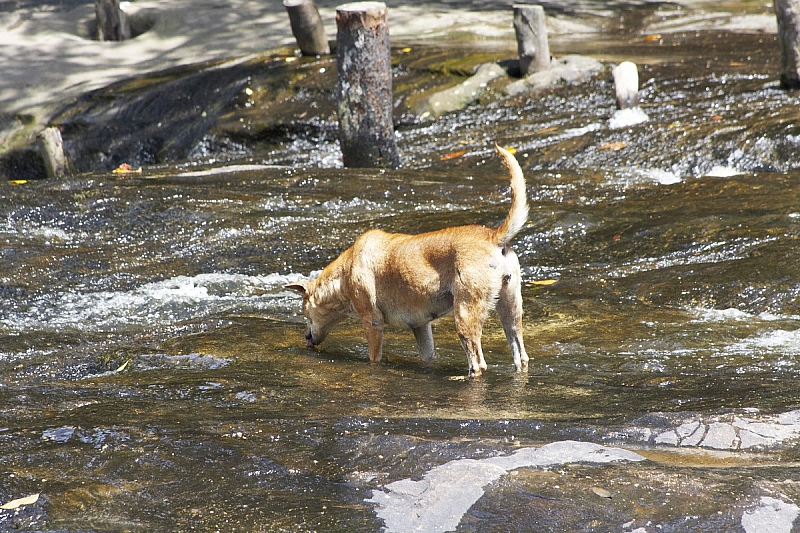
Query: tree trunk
x=51 y=147
x=112 y=22
x=626 y=84
x=307 y=27
x=530 y=24
x=364 y=89
x=788 y=15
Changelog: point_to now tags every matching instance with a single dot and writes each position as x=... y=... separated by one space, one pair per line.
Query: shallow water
x=154 y=375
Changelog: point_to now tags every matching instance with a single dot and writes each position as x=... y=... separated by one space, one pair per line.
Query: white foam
x=626 y=177
x=720 y=171
x=787 y=342
x=229 y=169
x=624 y=118
x=662 y=177
x=703 y=314
x=154 y=304
x=720 y=315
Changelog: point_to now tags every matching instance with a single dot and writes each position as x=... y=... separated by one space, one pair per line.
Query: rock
x=462 y=95
x=439 y=500
x=568 y=69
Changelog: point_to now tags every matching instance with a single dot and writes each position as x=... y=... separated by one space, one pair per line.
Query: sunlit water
x=154 y=374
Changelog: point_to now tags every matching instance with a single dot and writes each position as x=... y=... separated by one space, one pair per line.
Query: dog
x=409 y=280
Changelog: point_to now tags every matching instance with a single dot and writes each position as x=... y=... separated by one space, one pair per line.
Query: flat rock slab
x=440 y=499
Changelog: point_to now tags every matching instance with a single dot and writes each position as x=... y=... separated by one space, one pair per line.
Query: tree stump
x=307 y=27
x=51 y=147
x=530 y=24
x=788 y=14
x=626 y=84
x=112 y=22
x=364 y=90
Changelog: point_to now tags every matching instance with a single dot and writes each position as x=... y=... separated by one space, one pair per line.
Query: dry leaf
x=17 y=182
x=125 y=168
x=543 y=282
x=614 y=146
x=654 y=37
x=452 y=155
x=16 y=504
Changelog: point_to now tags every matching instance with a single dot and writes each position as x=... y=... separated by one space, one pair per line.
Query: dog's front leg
x=424 y=337
x=373 y=330
x=469 y=329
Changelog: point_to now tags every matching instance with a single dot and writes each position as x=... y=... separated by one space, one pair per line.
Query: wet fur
x=409 y=280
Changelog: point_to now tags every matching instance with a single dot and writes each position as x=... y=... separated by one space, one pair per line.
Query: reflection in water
x=154 y=375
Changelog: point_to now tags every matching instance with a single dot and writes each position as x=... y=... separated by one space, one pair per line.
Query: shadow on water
x=153 y=373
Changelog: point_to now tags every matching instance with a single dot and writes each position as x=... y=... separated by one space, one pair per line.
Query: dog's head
x=322 y=312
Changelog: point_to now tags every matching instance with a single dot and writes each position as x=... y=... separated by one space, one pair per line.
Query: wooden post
x=364 y=91
x=307 y=27
x=788 y=14
x=626 y=83
x=112 y=22
x=51 y=147
x=530 y=24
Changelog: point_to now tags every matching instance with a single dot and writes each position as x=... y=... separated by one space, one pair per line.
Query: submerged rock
x=568 y=69
x=461 y=95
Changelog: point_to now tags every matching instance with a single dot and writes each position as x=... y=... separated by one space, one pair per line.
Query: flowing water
x=153 y=374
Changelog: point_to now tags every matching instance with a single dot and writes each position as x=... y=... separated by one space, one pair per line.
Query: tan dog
x=409 y=280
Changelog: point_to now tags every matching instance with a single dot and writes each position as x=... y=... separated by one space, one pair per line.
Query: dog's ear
x=301 y=287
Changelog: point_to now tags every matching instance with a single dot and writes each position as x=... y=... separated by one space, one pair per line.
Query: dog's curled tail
x=518 y=214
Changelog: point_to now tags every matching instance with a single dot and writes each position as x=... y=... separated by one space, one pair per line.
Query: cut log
x=626 y=84
x=307 y=27
x=788 y=14
x=51 y=147
x=530 y=24
x=364 y=90
x=112 y=22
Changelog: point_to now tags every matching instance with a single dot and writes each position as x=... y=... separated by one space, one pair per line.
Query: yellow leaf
x=452 y=155
x=543 y=282
x=511 y=150
x=406 y=50
x=17 y=182
x=16 y=504
x=613 y=146
x=125 y=168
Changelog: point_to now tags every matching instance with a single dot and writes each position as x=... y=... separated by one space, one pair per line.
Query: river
x=154 y=375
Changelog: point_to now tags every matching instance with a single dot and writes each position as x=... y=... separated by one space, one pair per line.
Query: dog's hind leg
x=424 y=337
x=509 y=308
